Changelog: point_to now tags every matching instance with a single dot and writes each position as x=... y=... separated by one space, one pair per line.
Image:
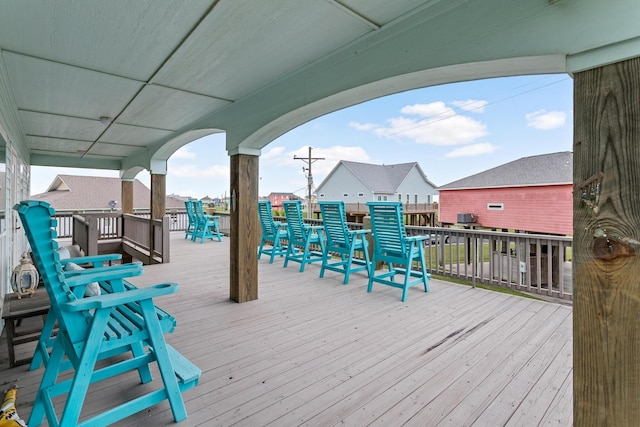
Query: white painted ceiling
x=165 y=72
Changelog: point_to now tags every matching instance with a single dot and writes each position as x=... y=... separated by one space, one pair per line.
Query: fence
x=539 y=264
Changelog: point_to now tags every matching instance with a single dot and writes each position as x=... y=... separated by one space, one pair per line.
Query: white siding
x=341 y=182
x=414 y=184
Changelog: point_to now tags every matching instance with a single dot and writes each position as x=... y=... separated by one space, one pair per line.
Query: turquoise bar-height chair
x=191 y=217
x=272 y=232
x=304 y=240
x=393 y=247
x=122 y=325
x=207 y=226
x=342 y=242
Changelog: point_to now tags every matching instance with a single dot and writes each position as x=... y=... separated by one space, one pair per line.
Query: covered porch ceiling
x=121 y=84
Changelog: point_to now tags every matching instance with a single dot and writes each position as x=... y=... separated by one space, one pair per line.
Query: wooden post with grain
x=606 y=323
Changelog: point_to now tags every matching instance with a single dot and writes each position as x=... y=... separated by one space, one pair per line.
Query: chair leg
x=325 y=260
x=49 y=378
x=144 y=372
x=164 y=363
x=41 y=354
x=373 y=272
x=365 y=249
x=407 y=276
x=84 y=370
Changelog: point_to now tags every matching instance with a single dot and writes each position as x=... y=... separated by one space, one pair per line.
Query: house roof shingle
x=544 y=169
x=76 y=192
x=381 y=178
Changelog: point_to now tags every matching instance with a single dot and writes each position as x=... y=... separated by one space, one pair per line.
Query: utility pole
x=308 y=160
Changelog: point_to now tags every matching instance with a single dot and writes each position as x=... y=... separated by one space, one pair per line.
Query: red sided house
x=532 y=194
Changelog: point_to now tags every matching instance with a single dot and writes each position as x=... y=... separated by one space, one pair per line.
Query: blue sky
x=452 y=131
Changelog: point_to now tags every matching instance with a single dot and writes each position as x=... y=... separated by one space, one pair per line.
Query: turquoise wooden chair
x=93 y=327
x=304 y=240
x=393 y=247
x=343 y=242
x=272 y=232
x=191 y=217
x=207 y=226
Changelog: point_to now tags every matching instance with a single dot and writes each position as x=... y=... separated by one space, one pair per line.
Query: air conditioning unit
x=467 y=218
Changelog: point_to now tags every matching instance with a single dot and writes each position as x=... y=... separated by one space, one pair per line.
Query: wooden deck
x=315 y=352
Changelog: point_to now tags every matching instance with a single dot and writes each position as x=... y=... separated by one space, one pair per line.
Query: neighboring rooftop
x=77 y=192
x=544 y=169
x=381 y=178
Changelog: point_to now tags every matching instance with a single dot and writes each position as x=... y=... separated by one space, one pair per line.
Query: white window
x=495 y=206
x=415 y=199
x=360 y=194
x=400 y=197
x=345 y=194
x=408 y=198
x=379 y=198
x=384 y=198
x=321 y=195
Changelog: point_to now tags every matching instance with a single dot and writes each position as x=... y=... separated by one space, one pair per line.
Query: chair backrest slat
x=191 y=214
x=387 y=221
x=295 y=223
x=269 y=227
x=36 y=217
x=335 y=223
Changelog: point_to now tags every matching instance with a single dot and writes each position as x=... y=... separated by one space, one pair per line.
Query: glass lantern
x=25 y=277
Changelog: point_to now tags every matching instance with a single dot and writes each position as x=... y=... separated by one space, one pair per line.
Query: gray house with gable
x=354 y=182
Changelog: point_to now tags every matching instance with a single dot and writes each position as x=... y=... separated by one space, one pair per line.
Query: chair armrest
x=416 y=238
x=102 y=275
x=102 y=270
x=363 y=231
x=315 y=227
x=113 y=300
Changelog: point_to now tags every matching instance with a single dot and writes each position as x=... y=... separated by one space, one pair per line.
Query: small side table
x=14 y=312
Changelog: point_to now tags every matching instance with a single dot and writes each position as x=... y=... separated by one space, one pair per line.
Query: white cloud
x=363 y=126
x=433 y=109
x=472 y=150
x=272 y=153
x=183 y=153
x=546 y=120
x=191 y=171
x=472 y=105
x=442 y=126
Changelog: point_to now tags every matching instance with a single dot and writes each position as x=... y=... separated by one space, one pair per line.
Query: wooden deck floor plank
x=365 y=341
x=436 y=375
x=506 y=377
x=330 y=391
x=533 y=408
x=399 y=369
x=560 y=411
x=369 y=355
x=475 y=384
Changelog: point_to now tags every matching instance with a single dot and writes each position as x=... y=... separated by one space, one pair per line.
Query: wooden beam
x=606 y=320
x=158 y=196
x=244 y=234
x=158 y=207
x=127 y=196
